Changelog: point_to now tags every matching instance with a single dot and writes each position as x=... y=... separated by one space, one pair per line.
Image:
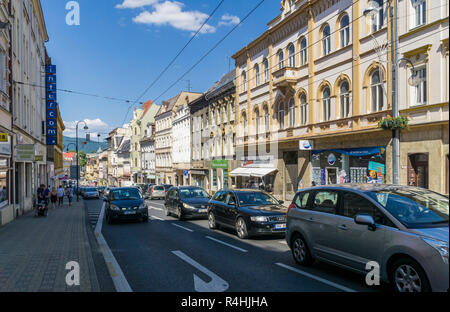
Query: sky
x=121 y=46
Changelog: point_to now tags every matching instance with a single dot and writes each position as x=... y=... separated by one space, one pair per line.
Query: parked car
x=157 y=191
x=403 y=229
x=101 y=189
x=187 y=202
x=249 y=212
x=167 y=187
x=125 y=203
x=91 y=192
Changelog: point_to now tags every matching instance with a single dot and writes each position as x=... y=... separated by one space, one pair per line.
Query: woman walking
x=53 y=197
x=69 y=192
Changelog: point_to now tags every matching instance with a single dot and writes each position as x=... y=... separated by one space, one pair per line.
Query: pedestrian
x=61 y=195
x=46 y=194
x=69 y=193
x=53 y=197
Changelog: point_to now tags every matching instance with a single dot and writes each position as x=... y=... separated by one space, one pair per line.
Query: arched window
x=266 y=119
x=303 y=51
x=257 y=121
x=291 y=55
x=376 y=90
x=326 y=40
x=344 y=31
x=280 y=59
x=377 y=19
x=281 y=115
x=257 y=75
x=244 y=81
x=303 y=109
x=344 y=99
x=244 y=121
x=326 y=104
x=291 y=112
x=266 y=70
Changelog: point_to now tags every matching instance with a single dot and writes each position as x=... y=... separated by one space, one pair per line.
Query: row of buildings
x=304 y=105
x=26 y=159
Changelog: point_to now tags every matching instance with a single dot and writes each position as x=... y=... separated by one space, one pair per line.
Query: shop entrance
x=291 y=174
x=418 y=170
x=332 y=175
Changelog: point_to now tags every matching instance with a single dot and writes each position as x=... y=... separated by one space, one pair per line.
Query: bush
x=393 y=123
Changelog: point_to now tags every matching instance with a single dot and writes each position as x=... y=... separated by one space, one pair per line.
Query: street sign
x=219 y=163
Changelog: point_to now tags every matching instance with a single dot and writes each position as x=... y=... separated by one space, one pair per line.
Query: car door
x=321 y=222
x=356 y=244
x=219 y=209
x=230 y=209
x=168 y=201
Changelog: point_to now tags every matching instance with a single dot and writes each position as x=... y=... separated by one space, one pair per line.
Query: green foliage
x=393 y=123
x=82 y=159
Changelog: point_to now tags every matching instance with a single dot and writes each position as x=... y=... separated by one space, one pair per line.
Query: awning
x=252 y=172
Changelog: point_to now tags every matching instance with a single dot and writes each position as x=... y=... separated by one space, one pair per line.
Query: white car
x=157 y=191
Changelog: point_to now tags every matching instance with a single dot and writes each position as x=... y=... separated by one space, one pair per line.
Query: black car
x=167 y=187
x=187 y=201
x=249 y=212
x=125 y=203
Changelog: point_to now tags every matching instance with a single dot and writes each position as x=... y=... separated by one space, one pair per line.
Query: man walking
x=69 y=192
x=61 y=194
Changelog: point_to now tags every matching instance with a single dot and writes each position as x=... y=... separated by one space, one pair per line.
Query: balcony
x=285 y=77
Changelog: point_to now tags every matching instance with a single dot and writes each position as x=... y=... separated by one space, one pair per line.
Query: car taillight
x=289 y=208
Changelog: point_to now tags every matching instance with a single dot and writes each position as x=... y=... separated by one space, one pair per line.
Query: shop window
x=418 y=170
x=4 y=190
x=325 y=201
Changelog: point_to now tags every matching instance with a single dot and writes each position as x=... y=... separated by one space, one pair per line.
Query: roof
x=226 y=82
x=146 y=106
x=168 y=105
x=125 y=148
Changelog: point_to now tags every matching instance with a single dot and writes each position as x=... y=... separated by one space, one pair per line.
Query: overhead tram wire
x=175 y=58
x=211 y=50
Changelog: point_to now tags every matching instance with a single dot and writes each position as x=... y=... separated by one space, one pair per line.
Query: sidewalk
x=34 y=252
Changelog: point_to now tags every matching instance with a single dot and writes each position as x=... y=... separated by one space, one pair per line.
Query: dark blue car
x=187 y=202
x=125 y=203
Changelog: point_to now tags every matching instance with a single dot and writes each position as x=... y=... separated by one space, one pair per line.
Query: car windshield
x=193 y=193
x=158 y=188
x=414 y=207
x=126 y=194
x=255 y=199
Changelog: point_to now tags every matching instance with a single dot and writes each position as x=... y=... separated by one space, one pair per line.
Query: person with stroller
x=43 y=194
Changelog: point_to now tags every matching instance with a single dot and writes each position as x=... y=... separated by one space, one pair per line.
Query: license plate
x=280 y=226
x=202 y=210
x=130 y=212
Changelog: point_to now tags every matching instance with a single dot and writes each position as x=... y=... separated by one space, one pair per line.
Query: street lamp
x=78 y=168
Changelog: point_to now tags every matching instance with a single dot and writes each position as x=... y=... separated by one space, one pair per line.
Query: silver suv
x=402 y=229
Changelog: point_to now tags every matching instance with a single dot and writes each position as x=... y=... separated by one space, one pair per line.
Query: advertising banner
x=51 y=104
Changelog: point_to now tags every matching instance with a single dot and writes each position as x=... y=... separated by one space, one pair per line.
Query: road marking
x=154 y=208
x=216 y=284
x=322 y=280
x=152 y=203
x=182 y=227
x=157 y=218
x=283 y=242
x=119 y=280
x=226 y=244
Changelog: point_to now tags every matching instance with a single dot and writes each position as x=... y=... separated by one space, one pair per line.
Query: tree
x=82 y=159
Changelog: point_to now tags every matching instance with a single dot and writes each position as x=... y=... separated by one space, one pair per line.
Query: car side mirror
x=365 y=219
x=281 y=202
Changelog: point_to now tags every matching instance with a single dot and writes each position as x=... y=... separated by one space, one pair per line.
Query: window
x=325 y=201
x=266 y=119
x=303 y=109
x=354 y=204
x=2 y=71
x=419 y=15
x=345 y=31
x=326 y=40
x=244 y=81
x=281 y=115
x=419 y=92
x=376 y=89
x=345 y=99
x=326 y=104
x=257 y=120
x=291 y=113
x=291 y=55
x=378 y=18
x=280 y=59
x=303 y=52
x=266 y=70
x=257 y=75
x=301 y=201
x=244 y=120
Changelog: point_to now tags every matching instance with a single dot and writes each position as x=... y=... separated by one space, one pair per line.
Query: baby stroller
x=41 y=209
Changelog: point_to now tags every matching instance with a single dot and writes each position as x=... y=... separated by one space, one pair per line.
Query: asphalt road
x=165 y=254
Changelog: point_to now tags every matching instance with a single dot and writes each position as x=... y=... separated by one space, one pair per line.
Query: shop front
x=256 y=173
x=6 y=204
x=220 y=174
x=348 y=165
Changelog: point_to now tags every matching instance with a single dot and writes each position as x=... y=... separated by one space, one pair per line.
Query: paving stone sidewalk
x=34 y=252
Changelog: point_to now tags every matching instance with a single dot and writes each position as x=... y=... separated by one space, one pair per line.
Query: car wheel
x=167 y=211
x=212 y=221
x=300 y=251
x=145 y=219
x=179 y=214
x=406 y=275
x=241 y=228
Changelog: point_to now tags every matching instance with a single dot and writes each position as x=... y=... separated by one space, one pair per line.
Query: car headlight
x=143 y=206
x=440 y=246
x=188 y=206
x=259 y=219
x=115 y=208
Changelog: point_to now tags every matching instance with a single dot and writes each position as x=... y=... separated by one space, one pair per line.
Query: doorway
x=291 y=174
x=418 y=170
x=332 y=173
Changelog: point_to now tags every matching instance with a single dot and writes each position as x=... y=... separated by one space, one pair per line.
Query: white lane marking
x=226 y=244
x=182 y=227
x=157 y=204
x=153 y=217
x=216 y=284
x=119 y=280
x=154 y=208
x=283 y=242
x=322 y=280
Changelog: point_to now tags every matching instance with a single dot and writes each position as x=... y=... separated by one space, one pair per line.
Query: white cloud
x=95 y=126
x=133 y=4
x=171 y=13
x=229 y=20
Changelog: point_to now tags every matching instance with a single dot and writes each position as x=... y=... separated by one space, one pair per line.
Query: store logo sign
x=305 y=145
x=50 y=96
x=331 y=159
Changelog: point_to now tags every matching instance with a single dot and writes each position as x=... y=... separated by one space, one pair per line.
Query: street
x=165 y=254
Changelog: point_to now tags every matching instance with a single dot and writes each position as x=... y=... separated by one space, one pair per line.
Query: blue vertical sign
x=51 y=103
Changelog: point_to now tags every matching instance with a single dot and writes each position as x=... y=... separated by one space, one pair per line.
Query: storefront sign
x=196 y=172
x=25 y=152
x=50 y=79
x=3 y=137
x=219 y=164
x=305 y=145
x=186 y=174
x=38 y=158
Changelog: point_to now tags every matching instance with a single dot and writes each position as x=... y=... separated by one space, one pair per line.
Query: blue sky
x=121 y=46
